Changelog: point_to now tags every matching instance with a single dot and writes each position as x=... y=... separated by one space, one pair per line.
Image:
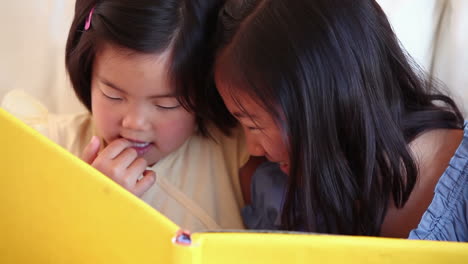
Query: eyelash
x=254 y=128
x=163 y=108
x=112 y=98
x=167 y=108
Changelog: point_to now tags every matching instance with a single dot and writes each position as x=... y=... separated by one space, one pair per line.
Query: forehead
x=132 y=70
x=240 y=103
x=233 y=88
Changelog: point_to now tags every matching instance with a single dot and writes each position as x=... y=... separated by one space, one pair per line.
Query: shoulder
x=234 y=141
x=446 y=217
x=232 y=146
x=206 y=171
x=26 y=108
x=432 y=153
x=73 y=131
x=70 y=131
x=236 y=135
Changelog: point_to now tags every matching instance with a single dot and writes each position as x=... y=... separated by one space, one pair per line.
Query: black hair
x=186 y=27
x=347 y=97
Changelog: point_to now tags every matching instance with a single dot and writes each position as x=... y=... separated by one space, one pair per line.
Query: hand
x=121 y=163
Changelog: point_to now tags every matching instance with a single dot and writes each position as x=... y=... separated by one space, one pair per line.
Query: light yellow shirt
x=197 y=186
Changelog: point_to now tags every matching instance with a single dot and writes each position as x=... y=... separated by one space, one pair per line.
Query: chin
x=153 y=158
x=151 y=161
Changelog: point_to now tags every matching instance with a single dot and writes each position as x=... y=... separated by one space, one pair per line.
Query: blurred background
x=34 y=32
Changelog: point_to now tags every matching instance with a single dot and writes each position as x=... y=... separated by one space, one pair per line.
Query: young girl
x=142 y=69
x=323 y=89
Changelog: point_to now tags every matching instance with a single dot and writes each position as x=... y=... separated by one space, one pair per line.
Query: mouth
x=140 y=146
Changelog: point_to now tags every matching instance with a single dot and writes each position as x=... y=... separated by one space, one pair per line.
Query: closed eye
x=167 y=107
x=252 y=128
x=115 y=98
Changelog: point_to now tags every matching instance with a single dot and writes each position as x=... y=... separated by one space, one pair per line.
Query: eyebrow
x=113 y=86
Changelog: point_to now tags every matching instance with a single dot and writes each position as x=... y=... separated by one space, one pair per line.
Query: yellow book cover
x=54 y=208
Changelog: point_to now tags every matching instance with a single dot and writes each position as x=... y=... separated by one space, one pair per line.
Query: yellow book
x=54 y=208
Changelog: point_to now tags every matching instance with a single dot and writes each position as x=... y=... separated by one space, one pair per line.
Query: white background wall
x=32 y=46
x=435 y=33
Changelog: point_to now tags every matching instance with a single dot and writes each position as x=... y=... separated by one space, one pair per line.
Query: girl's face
x=132 y=99
x=264 y=137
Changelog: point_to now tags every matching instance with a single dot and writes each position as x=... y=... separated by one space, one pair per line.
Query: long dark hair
x=348 y=99
x=153 y=26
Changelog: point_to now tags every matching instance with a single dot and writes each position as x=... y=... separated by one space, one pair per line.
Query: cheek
x=175 y=129
x=277 y=147
x=105 y=121
x=98 y=104
x=283 y=151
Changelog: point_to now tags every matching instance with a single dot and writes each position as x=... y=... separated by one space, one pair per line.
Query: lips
x=140 y=146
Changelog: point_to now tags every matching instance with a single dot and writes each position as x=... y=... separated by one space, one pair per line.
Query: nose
x=254 y=145
x=135 y=119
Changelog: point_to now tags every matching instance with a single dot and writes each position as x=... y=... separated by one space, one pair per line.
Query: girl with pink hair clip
x=143 y=71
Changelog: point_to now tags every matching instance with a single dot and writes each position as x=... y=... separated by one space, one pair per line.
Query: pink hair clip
x=88 y=20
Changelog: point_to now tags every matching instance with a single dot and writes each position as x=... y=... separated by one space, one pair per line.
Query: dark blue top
x=267 y=188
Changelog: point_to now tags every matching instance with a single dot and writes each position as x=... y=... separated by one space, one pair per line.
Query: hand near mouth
x=120 y=162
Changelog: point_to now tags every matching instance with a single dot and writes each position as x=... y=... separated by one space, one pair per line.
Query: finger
x=91 y=150
x=136 y=169
x=143 y=185
x=114 y=148
x=125 y=158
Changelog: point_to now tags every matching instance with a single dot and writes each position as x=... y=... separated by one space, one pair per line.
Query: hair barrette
x=88 y=20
